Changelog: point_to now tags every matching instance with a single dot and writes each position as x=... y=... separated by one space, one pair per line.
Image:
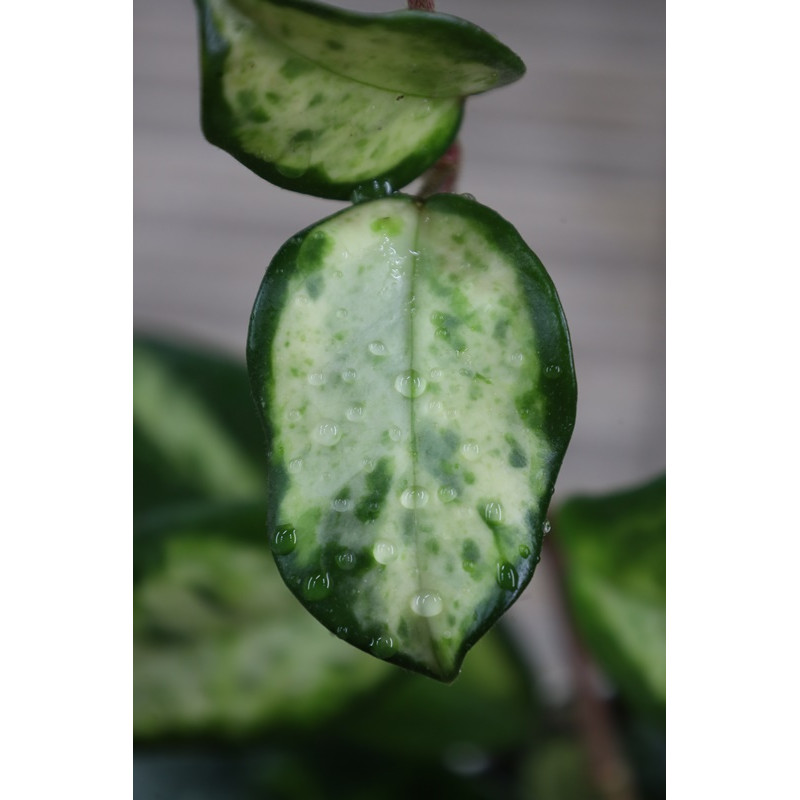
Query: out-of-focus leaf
x=195 y=430
x=489 y=710
x=310 y=770
x=414 y=368
x=614 y=549
x=557 y=770
x=220 y=647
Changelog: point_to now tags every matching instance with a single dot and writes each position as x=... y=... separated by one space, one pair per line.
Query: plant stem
x=610 y=772
x=442 y=176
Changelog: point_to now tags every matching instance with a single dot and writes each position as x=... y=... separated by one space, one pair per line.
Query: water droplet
x=546 y=527
x=341 y=313
x=368 y=463
x=427 y=604
x=284 y=540
x=468 y=196
x=515 y=359
x=384 y=552
x=470 y=450
x=296 y=465
x=316 y=378
x=435 y=405
x=436 y=374
x=447 y=494
x=294 y=414
x=552 y=370
x=524 y=550
x=346 y=560
x=395 y=434
x=341 y=504
x=301 y=299
x=493 y=512
x=338 y=274
x=383 y=646
x=441 y=333
x=377 y=348
x=438 y=317
x=410 y=384
x=349 y=375
x=355 y=413
x=507 y=577
x=327 y=433
x=318 y=586
x=414 y=497
x=341 y=631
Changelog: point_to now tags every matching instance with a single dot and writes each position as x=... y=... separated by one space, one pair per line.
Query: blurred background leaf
x=195 y=431
x=240 y=693
x=614 y=551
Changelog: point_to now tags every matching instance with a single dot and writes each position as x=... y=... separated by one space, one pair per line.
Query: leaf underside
x=315 y=100
x=414 y=369
x=616 y=551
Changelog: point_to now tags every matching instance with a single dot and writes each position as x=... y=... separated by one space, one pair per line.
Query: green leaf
x=322 y=101
x=414 y=368
x=615 y=555
x=195 y=428
x=220 y=648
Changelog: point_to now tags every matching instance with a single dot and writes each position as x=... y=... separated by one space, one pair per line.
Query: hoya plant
x=409 y=355
x=388 y=453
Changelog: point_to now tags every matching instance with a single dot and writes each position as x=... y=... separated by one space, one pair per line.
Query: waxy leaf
x=615 y=547
x=323 y=101
x=415 y=373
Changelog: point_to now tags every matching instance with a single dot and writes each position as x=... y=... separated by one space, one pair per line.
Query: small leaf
x=415 y=371
x=194 y=425
x=615 y=552
x=322 y=101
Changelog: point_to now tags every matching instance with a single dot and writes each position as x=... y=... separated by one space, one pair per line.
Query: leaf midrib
x=414 y=450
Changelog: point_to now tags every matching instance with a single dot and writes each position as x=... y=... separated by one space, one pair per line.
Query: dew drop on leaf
x=427 y=604
x=327 y=433
x=507 y=577
x=414 y=497
x=384 y=552
x=284 y=540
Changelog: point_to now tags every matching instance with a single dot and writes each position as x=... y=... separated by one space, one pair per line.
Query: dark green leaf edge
x=217 y=120
x=561 y=395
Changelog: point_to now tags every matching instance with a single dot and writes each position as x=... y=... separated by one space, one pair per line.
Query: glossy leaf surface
x=615 y=554
x=323 y=101
x=415 y=372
